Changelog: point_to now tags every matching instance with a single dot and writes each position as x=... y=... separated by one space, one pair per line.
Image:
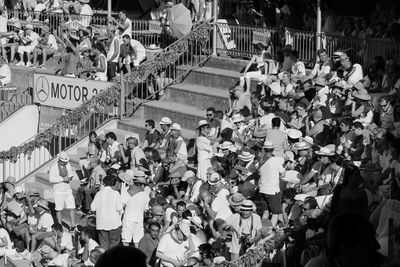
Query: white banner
x=261 y=38
x=155 y=26
x=64 y=92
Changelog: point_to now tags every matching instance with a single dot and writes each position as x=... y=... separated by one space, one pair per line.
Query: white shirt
x=3 y=24
x=298 y=69
x=355 y=76
x=34 y=38
x=108 y=207
x=66 y=241
x=221 y=207
x=111 y=51
x=270 y=176
x=136 y=206
x=92 y=245
x=139 y=49
x=111 y=149
x=322 y=95
x=320 y=69
x=52 y=41
x=6 y=72
x=40 y=7
x=128 y=30
x=45 y=222
x=57 y=180
x=4 y=233
x=193 y=194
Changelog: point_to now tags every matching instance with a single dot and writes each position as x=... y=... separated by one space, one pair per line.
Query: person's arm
x=209 y=210
x=164 y=257
x=356 y=112
x=102 y=66
x=314 y=130
x=308 y=176
x=178 y=146
x=123 y=26
x=253 y=59
x=86 y=252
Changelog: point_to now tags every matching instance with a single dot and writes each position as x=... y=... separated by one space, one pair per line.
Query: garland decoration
x=111 y=95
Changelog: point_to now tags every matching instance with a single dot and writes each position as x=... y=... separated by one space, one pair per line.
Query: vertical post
x=59 y=140
x=109 y=6
x=319 y=25
x=215 y=15
x=122 y=96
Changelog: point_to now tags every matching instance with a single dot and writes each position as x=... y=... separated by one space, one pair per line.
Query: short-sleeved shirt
x=270 y=176
x=152 y=137
x=221 y=207
x=45 y=222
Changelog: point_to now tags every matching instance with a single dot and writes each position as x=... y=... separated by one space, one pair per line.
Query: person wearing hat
x=138 y=201
x=14 y=38
x=194 y=185
x=47 y=46
x=322 y=92
x=60 y=176
x=91 y=185
x=321 y=129
x=247 y=226
x=86 y=64
x=235 y=201
x=271 y=171
x=240 y=99
x=352 y=73
x=302 y=157
x=247 y=173
x=215 y=205
x=175 y=247
x=165 y=124
x=323 y=66
x=177 y=145
x=29 y=40
x=204 y=149
x=361 y=108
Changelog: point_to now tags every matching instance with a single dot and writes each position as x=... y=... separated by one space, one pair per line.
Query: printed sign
x=64 y=92
x=155 y=26
x=261 y=37
x=226 y=34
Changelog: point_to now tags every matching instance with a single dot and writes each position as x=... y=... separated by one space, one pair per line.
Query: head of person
x=63 y=158
x=87 y=233
x=352 y=176
x=255 y=98
x=238 y=91
x=98 y=49
x=180 y=207
x=322 y=55
x=157 y=213
x=92 y=137
x=155 y=157
x=176 y=130
x=126 y=39
x=94 y=255
x=288 y=196
x=203 y=128
x=358 y=128
x=111 y=137
x=122 y=256
x=132 y=142
x=384 y=103
x=94 y=162
x=259 y=47
x=345 y=61
x=276 y=122
x=283 y=103
x=154 y=229
x=109 y=181
x=165 y=124
x=301 y=108
x=309 y=204
x=122 y=14
x=149 y=125
x=337 y=162
x=316 y=115
x=345 y=125
x=210 y=113
x=28 y=28
x=352 y=241
x=286 y=78
x=57 y=229
x=246 y=209
x=294 y=55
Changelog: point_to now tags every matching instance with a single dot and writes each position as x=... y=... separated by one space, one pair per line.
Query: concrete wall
x=19 y=127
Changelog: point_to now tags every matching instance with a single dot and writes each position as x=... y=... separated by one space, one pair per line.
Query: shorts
x=49 y=51
x=132 y=231
x=64 y=200
x=27 y=49
x=274 y=202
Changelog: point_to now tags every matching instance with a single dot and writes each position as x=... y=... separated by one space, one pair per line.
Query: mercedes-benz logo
x=42 y=88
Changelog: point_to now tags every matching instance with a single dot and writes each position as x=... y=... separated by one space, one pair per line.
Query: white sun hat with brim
x=227 y=145
x=293 y=177
x=294 y=133
x=246 y=155
x=308 y=140
x=63 y=156
x=362 y=94
x=323 y=200
x=275 y=88
x=127 y=177
x=247 y=205
x=202 y=123
x=301 y=145
x=237 y=118
x=268 y=144
x=301 y=197
x=187 y=175
x=214 y=179
x=236 y=199
x=324 y=151
x=196 y=220
x=184 y=227
x=165 y=120
x=176 y=127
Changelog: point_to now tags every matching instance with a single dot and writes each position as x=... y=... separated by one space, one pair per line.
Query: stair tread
x=200 y=89
x=178 y=107
x=139 y=123
x=219 y=72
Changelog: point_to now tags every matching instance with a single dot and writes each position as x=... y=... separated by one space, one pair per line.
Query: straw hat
x=301 y=145
x=301 y=197
x=320 y=82
x=237 y=118
x=246 y=155
x=188 y=174
x=247 y=205
x=343 y=57
x=202 y=123
x=127 y=177
x=308 y=139
x=176 y=127
x=275 y=88
x=196 y=220
x=84 y=29
x=236 y=199
x=337 y=54
x=165 y=120
x=362 y=94
x=43 y=204
x=84 y=1
x=359 y=86
x=324 y=151
x=140 y=177
x=293 y=133
x=268 y=144
x=63 y=157
x=227 y=145
x=101 y=137
x=10 y=180
x=184 y=227
x=214 y=179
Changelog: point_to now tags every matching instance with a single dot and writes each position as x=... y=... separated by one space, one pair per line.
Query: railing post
x=319 y=26
x=122 y=95
x=59 y=141
x=215 y=13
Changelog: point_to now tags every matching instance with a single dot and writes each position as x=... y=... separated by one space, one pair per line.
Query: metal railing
x=17 y=101
x=169 y=66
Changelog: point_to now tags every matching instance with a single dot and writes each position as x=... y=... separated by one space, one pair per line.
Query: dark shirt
x=152 y=138
x=358 y=145
x=148 y=245
x=125 y=50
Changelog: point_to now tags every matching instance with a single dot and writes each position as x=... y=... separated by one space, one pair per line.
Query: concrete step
x=43 y=178
x=226 y=63
x=44 y=189
x=137 y=125
x=198 y=96
x=216 y=78
x=187 y=116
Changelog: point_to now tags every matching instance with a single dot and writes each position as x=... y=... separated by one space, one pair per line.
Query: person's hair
x=110 y=180
x=111 y=135
x=151 y=123
x=155 y=157
x=134 y=140
x=294 y=54
x=153 y=223
x=320 y=51
x=122 y=256
x=95 y=253
x=124 y=11
x=347 y=121
x=245 y=112
x=256 y=95
x=338 y=160
x=92 y=133
x=211 y=109
x=301 y=104
x=112 y=172
x=89 y=231
x=186 y=214
x=294 y=113
x=57 y=227
x=384 y=98
x=352 y=176
x=276 y=122
x=311 y=202
x=181 y=204
x=126 y=36
x=289 y=193
x=219 y=114
x=358 y=125
x=99 y=47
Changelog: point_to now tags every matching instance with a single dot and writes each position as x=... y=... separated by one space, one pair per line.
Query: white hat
x=185 y=228
x=127 y=177
x=294 y=133
x=187 y=175
x=176 y=127
x=165 y=120
x=293 y=176
x=116 y=166
x=301 y=145
x=247 y=205
x=196 y=220
x=276 y=88
x=324 y=151
x=301 y=197
x=227 y=145
x=63 y=156
x=202 y=123
x=362 y=94
x=237 y=118
x=219 y=260
x=29 y=26
x=308 y=139
x=246 y=155
x=214 y=179
x=153 y=47
x=268 y=144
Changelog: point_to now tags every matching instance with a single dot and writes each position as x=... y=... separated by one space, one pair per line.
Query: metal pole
x=109 y=8
x=122 y=96
x=215 y=15
x=319 y=26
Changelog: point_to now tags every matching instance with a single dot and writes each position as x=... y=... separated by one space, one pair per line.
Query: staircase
x=11 y=99
x=185 y=103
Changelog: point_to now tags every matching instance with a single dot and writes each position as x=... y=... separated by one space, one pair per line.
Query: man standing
x=60 y=176
x=124 y=25
x=108 y=207
x=271 y=171
x=166 y=133
x=152 y=135
x=113 y=54
x=149 y=241
x=278 y=138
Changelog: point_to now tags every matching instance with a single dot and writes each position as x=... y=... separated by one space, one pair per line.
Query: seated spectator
x=5 y=72
x=47 y=46
x=29 y=40
x=100 y=71
x=140 y=54
x=149 y=242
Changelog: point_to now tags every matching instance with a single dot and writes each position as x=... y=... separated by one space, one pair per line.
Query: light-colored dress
x=203 y=156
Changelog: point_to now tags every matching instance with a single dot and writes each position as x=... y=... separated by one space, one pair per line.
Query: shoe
x=29 y=64
x=20 y=64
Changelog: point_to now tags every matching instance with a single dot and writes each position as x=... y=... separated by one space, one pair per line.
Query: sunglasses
x=209 y=115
